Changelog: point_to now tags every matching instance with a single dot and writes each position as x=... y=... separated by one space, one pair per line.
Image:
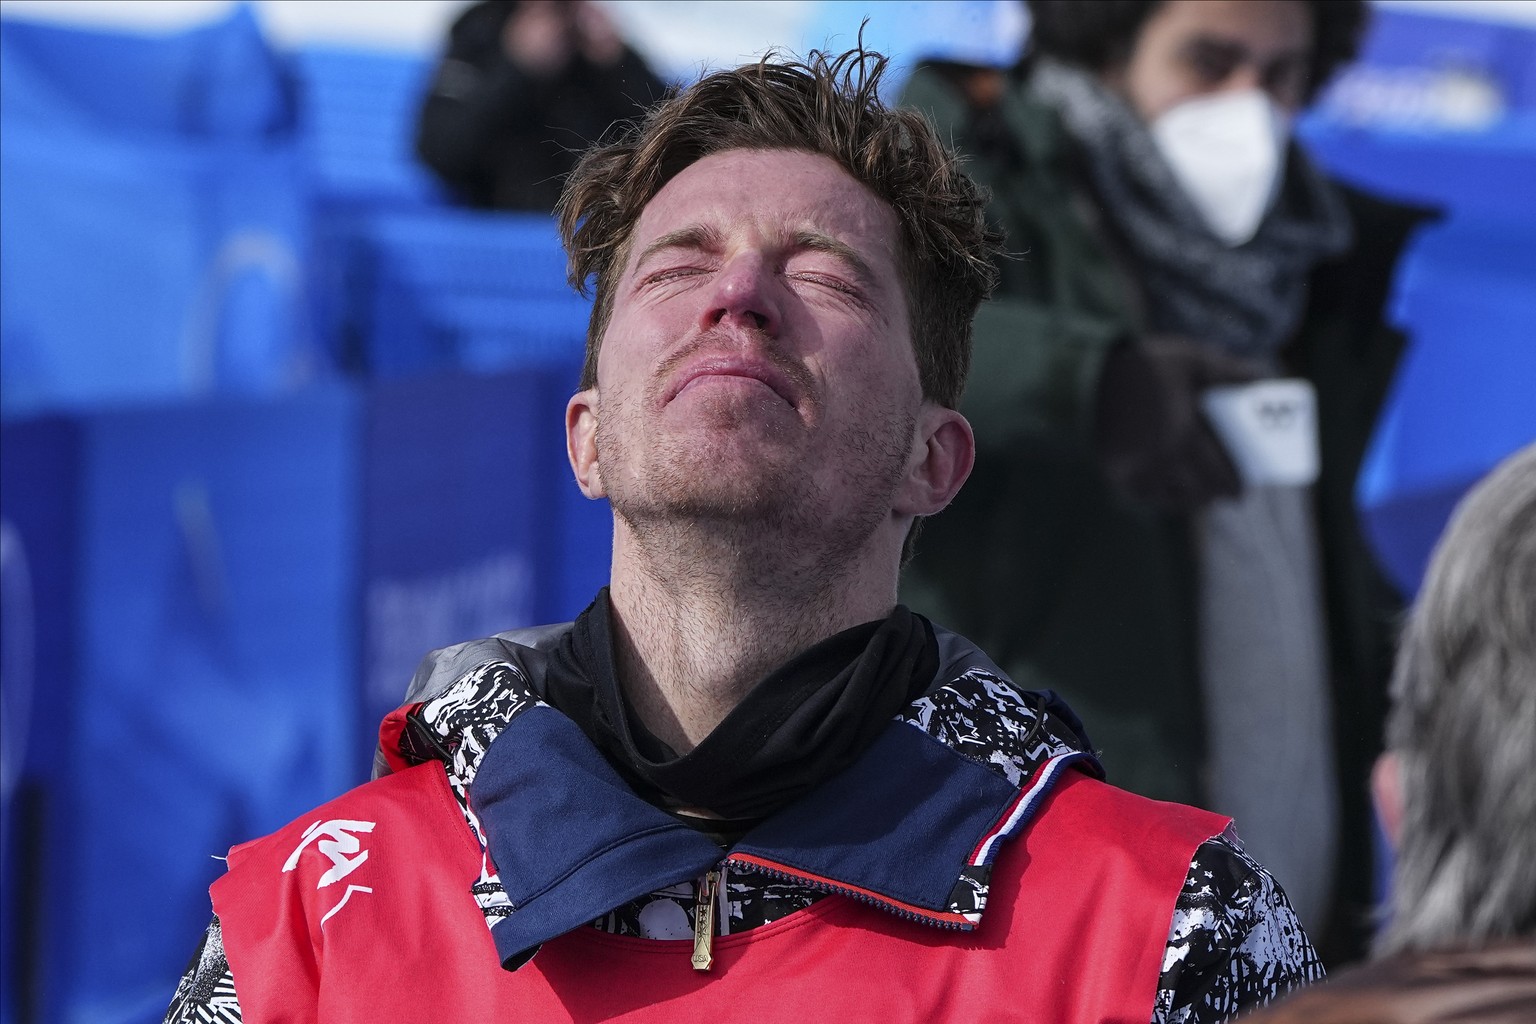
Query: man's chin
x=714 y=503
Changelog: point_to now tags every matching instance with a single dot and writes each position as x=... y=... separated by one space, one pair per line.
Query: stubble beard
x=697 y=496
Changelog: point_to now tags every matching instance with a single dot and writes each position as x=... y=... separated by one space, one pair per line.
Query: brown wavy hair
x=823 y=105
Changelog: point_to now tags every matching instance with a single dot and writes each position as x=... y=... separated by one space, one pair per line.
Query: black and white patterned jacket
x=1233 y=940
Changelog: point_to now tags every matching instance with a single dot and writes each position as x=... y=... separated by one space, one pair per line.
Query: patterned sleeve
x=206 y=992
x=1235 y=942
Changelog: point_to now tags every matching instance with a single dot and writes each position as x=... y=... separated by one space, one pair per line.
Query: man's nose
x=746 y=294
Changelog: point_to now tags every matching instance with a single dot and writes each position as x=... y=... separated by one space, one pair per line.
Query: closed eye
x=671 y=274
x=825 y=281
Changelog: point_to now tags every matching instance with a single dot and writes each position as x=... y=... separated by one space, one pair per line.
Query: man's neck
x=699 y=620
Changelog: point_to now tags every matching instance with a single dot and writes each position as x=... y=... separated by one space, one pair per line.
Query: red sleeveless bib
x=362 y=912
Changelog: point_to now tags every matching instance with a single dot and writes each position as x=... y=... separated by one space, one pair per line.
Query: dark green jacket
x=1063 y=582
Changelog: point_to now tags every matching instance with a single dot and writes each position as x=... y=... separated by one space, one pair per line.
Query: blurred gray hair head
x=1463 y=725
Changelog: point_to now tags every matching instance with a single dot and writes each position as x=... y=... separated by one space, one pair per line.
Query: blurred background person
x=1456 y=788
x=1233 y=641
x=524 y=88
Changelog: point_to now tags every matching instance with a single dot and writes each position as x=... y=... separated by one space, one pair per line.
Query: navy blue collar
x=911 y=826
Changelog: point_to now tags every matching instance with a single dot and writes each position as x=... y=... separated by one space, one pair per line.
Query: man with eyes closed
x=745 y=783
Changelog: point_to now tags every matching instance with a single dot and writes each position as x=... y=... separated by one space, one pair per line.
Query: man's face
x=1191 y=48
x=758 y=367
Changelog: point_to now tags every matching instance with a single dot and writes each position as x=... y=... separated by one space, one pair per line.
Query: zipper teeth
x=838 y=890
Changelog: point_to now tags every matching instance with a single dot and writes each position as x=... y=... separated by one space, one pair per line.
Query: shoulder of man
x=976 y=710
x=526 y=648
x=525 y=651
x=326 y=887
x=334 y=839
x=965 y=670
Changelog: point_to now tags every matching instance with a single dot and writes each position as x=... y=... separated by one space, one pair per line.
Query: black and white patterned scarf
x=1248 y=299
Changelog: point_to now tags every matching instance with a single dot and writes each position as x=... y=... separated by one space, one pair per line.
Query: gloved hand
x=1152 y=440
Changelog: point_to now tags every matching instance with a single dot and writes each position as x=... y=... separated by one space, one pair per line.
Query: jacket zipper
x=704 y=921
x=828 y=887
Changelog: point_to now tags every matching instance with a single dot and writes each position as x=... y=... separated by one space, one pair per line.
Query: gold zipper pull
x=704 y=922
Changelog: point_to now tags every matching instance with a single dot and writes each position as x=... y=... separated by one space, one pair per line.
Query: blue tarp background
x=224 y=549
x=1442 y=112
x=247 y=585
x=187 y=694
x=1465 y=393
x=153 y=213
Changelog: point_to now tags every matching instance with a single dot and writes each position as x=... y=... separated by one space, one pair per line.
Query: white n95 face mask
x=1227 y=151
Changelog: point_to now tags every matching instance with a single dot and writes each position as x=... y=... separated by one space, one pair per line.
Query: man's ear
x=581 y=442
x=943 y=451
x=1387 y=795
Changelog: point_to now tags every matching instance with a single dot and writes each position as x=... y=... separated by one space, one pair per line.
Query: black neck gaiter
x=800 y=725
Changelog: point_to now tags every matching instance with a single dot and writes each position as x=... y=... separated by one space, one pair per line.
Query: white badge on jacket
x=1269 y=428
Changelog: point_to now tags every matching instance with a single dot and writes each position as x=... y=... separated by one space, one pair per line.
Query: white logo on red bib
x=337 y=841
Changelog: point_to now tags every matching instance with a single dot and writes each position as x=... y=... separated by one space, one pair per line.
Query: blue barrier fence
x=1442 y=112
x=224 y=598
x=150 y=258
x=221 y=560
x=207 y=559
x=356 y=120
x=1439 y=111
x=1463 y=396
x=152 y=215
